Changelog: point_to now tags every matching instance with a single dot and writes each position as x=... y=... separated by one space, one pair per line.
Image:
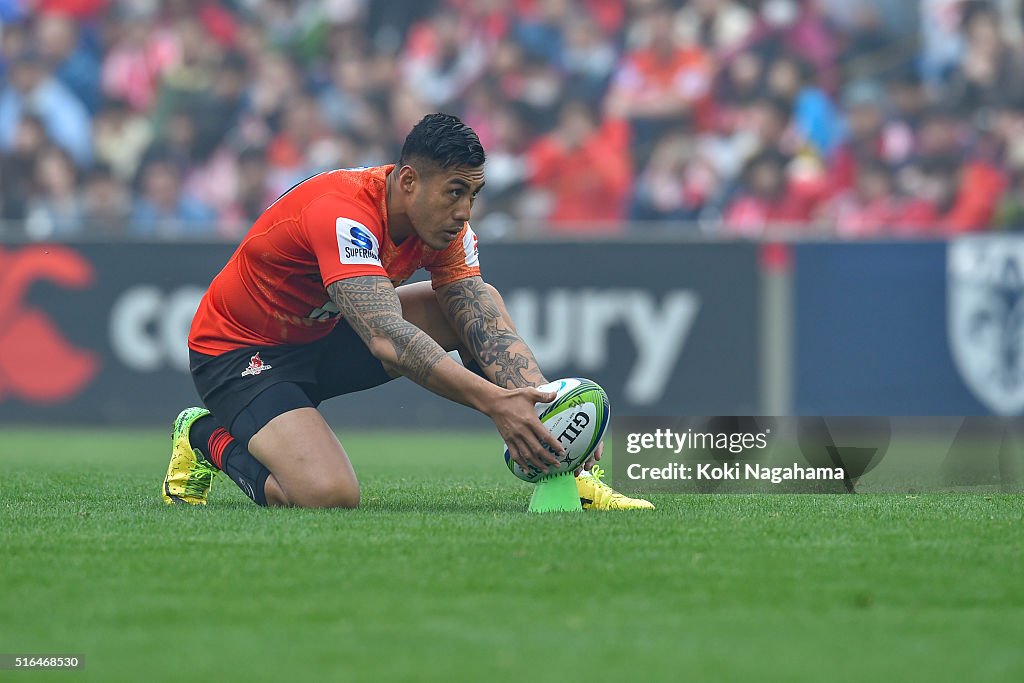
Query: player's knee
x=331 y=492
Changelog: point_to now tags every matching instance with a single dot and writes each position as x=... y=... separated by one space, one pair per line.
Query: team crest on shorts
x=256 y=366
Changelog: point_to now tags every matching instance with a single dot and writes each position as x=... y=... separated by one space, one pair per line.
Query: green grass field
x=442 y=576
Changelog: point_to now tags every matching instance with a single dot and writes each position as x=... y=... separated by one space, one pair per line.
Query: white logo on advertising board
x=985 y=310
x=658 y=326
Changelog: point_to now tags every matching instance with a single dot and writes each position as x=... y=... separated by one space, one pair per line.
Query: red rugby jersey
x=333 y=226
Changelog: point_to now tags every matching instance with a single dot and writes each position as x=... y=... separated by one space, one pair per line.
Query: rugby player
x=311 y=305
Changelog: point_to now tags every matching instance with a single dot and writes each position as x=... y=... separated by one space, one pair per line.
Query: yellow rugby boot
x=189 y=474
x=597 y=495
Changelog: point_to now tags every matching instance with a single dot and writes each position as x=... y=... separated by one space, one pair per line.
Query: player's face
x=443 y=202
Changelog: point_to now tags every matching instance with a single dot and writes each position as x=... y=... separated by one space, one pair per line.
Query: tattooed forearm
x=510 y=369
x=491 y=340
x=371 y=307
x=419 y=357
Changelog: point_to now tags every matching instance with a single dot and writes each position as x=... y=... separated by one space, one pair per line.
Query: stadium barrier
x=926 y=328
x=95 y=333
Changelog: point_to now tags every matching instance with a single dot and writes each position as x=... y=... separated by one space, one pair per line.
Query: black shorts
x=284 y=377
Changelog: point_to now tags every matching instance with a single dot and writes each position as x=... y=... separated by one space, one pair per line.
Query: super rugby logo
x=356 y=244
x=256 y=366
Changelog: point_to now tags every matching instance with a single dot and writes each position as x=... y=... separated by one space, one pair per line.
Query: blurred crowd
x=185 y=118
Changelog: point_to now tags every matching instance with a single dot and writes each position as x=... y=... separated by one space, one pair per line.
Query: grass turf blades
x=441 y=575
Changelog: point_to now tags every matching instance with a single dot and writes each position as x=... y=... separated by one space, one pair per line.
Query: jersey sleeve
x=344 y=235
x=460 y=260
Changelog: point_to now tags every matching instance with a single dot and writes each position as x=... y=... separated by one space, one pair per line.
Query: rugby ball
x=578 y=418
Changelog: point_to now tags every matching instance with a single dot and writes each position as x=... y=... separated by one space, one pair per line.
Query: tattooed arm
x=371 y=306
x=487 y=335
x=502 y=354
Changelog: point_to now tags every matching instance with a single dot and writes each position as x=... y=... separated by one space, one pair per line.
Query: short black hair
x=444 y=140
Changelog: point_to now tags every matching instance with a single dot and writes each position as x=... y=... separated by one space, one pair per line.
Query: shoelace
x=598 y=474
x=613 y=496
x=202 y=476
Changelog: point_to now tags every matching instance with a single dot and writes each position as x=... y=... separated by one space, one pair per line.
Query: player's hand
x=516 y=419
x=594 y=457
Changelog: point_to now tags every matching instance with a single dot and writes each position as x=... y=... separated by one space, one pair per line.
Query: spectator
x=799 y=27
x=140 y=56
x=254 y=192
x=661 y=85
x=951 y=197
x=870 y=208
x=55 y=207
x=979 y=189
x=931 y=189
x=941 y=39
x=695 y=88
x=864 y=103
x=588 y=59
x=220 y=108
x=989 y=69
x=120 y=137
x=32 y=89
x=15 y=39
x=942 y=136
x=536 y=86
x=441 y=61
x=815 y=119
x=163 y=209
x=771 y=121
x=739 y=82
x=765 y=204
x=908 y=105
x=584 y=169
x=719 y=26
x=1008 y=127
x=187 y=83
x=540 y=29
x=106 y=204
x=406 y=109
x=276 y=83
x=868 y=47
x=676 y=184
x=507 y=138
x=179 y=140
x=15 y=183
x=74 y=65
x=765 y=124
x=345 y=101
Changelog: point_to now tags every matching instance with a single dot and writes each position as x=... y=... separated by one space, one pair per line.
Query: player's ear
x=407 y=178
